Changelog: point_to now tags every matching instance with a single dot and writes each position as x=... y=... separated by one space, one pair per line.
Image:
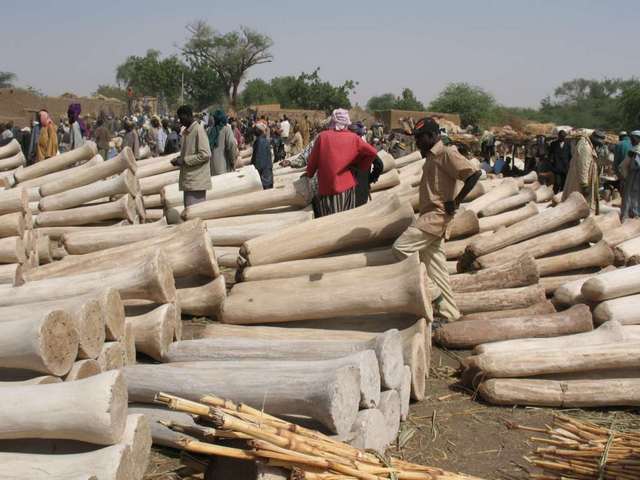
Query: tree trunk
x=154 y=331
x=372 y=224
x=628 y=230
x=315 y=389
x=395 y=288
x=187 y=248
x=600 y=255
x=92 y=410
x=205 y=300
x=149 y=278
x=609 y=333
x=537 y=308
x=122 y=162
x=518 y=273
x=296 y=195
x=503 y=299
x=470 y=333
x=124 y=183
x=317 y=266
x=562 y=394
x=571 y=210
x=59 y=162
x=120 y=209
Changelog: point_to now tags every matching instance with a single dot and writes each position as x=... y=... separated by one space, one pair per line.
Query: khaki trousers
x=431 y=250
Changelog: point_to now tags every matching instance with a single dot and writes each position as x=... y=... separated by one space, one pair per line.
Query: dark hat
x=599 y=134
x=426 y=125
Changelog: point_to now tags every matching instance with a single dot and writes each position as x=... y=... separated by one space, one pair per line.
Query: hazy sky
x=517 y=49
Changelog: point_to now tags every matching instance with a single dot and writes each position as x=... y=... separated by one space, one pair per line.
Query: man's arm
x=451 y=206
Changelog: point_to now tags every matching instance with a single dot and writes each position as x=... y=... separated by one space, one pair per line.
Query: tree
x=230 y=55
x=7 y=79
x=307 y=91
x=203 y=86
x=629 y=102
x=111 y=91
x=470 y=102
x=386 y=101
x=153 y=76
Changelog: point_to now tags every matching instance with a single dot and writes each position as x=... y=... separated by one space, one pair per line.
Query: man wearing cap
x=583 y=171
x=443 y=172
x=261 y=156
x=560 y=156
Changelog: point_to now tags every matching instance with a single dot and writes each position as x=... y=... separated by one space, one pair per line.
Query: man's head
x=427 y=134
x=598 y=137
x=260 y=129
x=622 y=135
x=128 y=125
x=635 y=137
x=185 y=115
x=562 y=135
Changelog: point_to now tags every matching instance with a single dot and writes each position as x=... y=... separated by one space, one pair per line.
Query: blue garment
x=631 y=193
x=261 y=159
x=620 y=153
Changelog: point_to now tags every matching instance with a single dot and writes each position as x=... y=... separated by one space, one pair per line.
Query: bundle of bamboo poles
x=308 y=454
x=580 y=450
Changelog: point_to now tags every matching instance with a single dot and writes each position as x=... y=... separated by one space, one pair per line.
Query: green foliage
x=388 y=101
x=7 y=79
x=112 y=91
x=306 y=91
x=630 y=106
x=470 y=102
x=230 y=55
x=203 y=87
x=153 y=76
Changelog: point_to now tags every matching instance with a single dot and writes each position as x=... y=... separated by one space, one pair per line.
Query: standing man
x=444 y=168
x=195 y=176
x=560 y=156
x=305 y=130
x=630 y=175
x=583 y=172
x=261 y=156
x=47 y=145
x=131 y=138
x=222 y=144
x=621 y=150
x=285 y=129
x=102 y=137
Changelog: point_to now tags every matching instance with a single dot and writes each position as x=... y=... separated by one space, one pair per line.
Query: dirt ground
x=450 y=429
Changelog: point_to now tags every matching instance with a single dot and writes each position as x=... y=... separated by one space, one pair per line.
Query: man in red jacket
x=443 y=172
x=336 y=152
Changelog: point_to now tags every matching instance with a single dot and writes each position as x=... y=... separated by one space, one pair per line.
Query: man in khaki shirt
x=444 y=169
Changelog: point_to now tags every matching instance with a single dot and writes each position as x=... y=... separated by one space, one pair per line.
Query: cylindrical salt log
x=153 y=331
x=369 y=431
x=624 y=310
x=83 y=369
x=122 y=162
x=149 y=278
x=46 y=343
x=205 y=300
x=43 y=244
x=152 y=201
x=536 y=308
x=571 y=210
x=297 y=195
x=156 y=168
x=53 y=164
x=618 y=283
x=388 y=162
x=94 y=239
x=316 y=389
x=112 y=356
x=608 y=333
x=62 y=174
x=503 y=299
x=507 y=218
x=123 y=208
x=628 y=230
x=518 y=273
x=464 y=223
x=600 y=255
x=468 y=334
x=626 y=250
x=227 y=256
x=12 y=224
x=571 y=292
x=10 y=149
x=454 y=249
x=390 y=408
x=568 y=360
x=386 y=180
x=12 y=162
x=562 y=394
x=405 y=394
x=376 y=222
x=122 y=184
x=152 y=160
x=509 y=203
x=92 y=410
x=553 y=283
x=14 y=200
x=43 y=380
x=506 y=189
x=408 y=159
x=11 y=274
x=12 y=250
x=153 y=185
x=312 y=266
x=544 y=194
x=187 y=248
x=395 y=288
